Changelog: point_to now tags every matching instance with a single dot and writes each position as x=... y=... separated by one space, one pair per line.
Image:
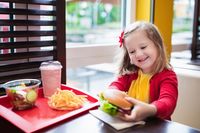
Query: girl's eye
x=132 y=52
x=143 y=47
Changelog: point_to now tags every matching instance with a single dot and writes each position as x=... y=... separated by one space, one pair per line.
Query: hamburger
x=113 y=101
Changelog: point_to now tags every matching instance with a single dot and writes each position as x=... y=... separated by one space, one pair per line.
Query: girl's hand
x=140 y=111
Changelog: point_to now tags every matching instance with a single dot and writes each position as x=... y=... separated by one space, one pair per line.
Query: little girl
x=145 y=73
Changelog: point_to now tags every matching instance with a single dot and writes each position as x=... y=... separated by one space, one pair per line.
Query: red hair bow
x=121 y=39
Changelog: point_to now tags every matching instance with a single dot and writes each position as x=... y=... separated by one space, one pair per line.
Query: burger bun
x=117 y=98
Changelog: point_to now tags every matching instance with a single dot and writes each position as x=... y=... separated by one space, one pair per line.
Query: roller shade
x=33 y=31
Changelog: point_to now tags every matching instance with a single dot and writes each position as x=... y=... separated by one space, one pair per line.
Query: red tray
x=42 y=115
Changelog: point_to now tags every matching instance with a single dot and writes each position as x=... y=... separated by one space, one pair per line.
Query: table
x=86 y=123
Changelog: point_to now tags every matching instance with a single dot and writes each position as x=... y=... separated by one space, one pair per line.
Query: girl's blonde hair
x=153 y=34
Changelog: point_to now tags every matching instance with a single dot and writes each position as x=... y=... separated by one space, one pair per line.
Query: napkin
x=114 y=122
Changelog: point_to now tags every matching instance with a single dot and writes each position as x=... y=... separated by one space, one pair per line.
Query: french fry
x=66 y=100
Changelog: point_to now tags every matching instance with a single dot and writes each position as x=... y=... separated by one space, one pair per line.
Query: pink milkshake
x=51 y=77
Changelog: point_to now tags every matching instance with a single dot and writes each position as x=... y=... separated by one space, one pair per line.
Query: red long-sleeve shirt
x=163 y=90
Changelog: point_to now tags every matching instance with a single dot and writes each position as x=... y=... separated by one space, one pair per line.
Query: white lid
x=49 y=65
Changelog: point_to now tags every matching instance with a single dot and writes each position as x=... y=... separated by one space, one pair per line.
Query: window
x=92 y=22
x=184 y=11
x=92 y=37
x=182 y=24
x=96 y=22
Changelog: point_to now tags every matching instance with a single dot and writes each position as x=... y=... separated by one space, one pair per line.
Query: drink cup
x=51 y=77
